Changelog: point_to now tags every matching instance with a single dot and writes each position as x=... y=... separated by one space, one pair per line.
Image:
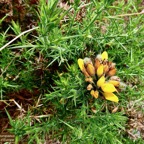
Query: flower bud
x=95 y=94
x=106 y=68
x=85 y=73
x=112 y=72
x=89 y=79
x=89 y=87
x=90 y=69
x=97 y=63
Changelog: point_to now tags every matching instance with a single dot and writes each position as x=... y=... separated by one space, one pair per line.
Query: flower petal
x=81 y=64
x=82 y=67
x=101 y=81
x=114 y=82
x=95 y=94
x=111 y=97
x=104 y=55
x=100 y=70
x=108 y=88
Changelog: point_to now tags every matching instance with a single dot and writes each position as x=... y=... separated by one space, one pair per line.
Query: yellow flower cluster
x=100 y=74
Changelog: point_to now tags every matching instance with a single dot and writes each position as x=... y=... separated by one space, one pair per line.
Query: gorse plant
x=101 y=76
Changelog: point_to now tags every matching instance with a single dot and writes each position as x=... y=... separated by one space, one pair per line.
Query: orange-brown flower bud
x=85 y=73
x=89 y=87
x=109 y=64
x=106 y=68
x=112 y=72
x=89 y=79
x=90 y=69
x=97 y=63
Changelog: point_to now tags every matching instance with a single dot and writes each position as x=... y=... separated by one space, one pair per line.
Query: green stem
x=16 y=140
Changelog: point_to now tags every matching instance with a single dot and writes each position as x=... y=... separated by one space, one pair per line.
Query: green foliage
x=23 y=127
x=74 y=110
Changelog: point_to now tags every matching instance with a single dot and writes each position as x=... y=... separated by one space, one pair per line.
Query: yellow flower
x=101 y=81
x=104 y=55
x=111 y=97
x=104 y=69
x=95 y=94
x=100 y=70
x=108 y=88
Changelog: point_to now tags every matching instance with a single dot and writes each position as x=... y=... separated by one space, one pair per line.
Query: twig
x=17 y=37
x=17 y=105
x=85 y=5
x=123 y=15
